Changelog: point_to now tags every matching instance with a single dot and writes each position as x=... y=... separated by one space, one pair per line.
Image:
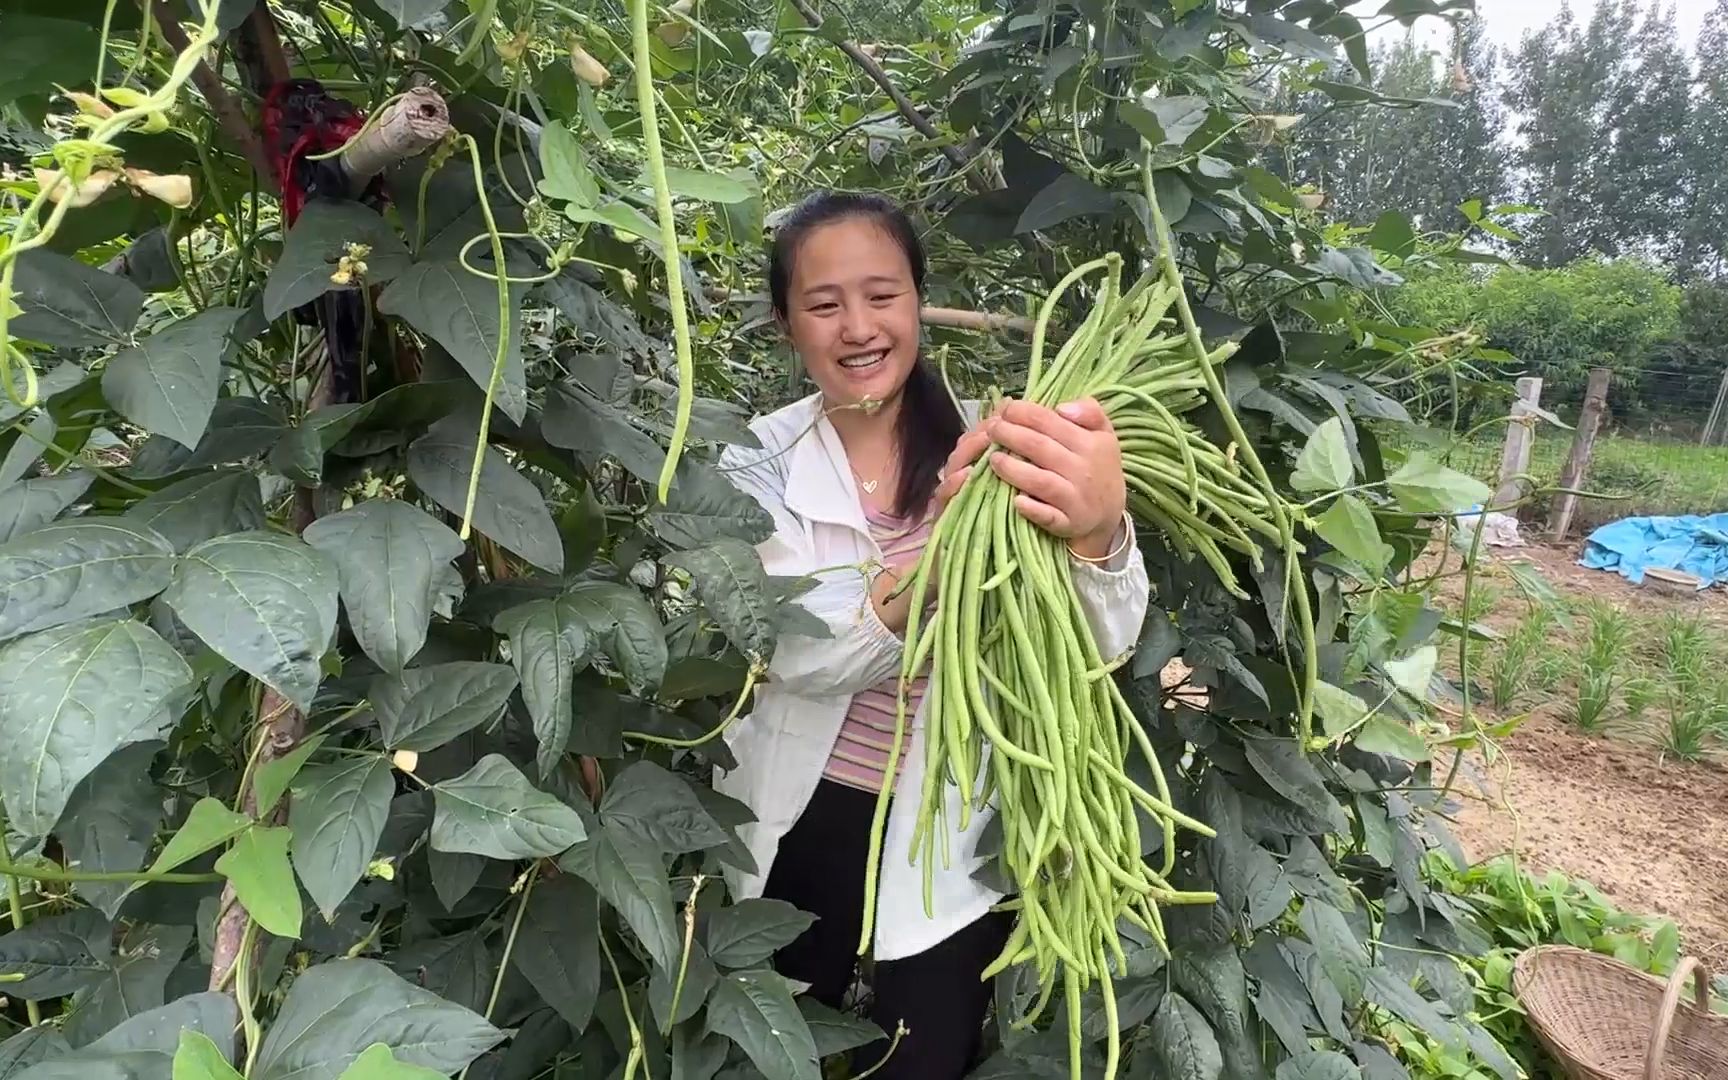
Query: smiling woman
x=855 y=475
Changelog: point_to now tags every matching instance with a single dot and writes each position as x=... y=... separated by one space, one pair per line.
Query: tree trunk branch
x=229 y=115
x=907 y=107
x=280 y=725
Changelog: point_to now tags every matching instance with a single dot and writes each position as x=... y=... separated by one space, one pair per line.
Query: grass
x=1658 y=478
x=1512 y=668
x=1599 y=676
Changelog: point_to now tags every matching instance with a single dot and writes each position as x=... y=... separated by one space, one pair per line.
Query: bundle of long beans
x=1014 y=666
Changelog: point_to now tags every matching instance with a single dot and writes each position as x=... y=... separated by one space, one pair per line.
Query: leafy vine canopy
x=368 y=584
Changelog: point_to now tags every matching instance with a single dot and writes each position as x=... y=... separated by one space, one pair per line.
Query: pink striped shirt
x=860 y=755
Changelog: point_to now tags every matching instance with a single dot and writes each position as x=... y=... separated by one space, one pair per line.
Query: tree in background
x=1559 y=323
x=1704 y=230
x=1438 y=145
x=1644 y=173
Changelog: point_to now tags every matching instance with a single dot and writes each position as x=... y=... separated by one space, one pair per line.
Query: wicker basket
x=1605 y=1020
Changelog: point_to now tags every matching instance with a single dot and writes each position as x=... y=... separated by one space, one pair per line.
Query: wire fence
x=1662 y=449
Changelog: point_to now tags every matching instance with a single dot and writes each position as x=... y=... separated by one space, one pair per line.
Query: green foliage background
x=302 y=783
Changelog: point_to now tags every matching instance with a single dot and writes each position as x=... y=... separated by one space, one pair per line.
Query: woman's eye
x=882 y=298
x=824 y=308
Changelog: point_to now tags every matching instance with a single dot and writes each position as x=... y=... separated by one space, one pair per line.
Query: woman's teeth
x=864 y=361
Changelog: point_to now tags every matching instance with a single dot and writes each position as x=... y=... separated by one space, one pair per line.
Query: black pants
x=937 y=993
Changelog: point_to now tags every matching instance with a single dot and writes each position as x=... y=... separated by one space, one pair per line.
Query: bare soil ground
x=1652 y=835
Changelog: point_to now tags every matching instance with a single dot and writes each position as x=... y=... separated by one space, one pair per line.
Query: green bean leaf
x=755 y=1009
x=1424 y=486
x=1348 y=525
x=1319 y=1065
x=1324 y=463
x=1182 y=1043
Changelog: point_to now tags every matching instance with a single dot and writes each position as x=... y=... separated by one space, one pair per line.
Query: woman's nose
x=856 y=326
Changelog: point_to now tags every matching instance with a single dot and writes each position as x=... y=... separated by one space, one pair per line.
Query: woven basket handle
x=1692 y=966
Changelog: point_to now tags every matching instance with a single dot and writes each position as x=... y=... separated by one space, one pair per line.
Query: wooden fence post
x=1520 y=433
x=1578 y=461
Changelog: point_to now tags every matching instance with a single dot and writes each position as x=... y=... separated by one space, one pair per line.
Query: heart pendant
x=869 y=486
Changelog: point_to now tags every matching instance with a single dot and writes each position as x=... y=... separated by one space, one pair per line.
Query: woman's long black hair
x=927 y=425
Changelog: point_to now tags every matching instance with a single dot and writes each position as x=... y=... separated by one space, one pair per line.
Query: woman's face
x=852 y=311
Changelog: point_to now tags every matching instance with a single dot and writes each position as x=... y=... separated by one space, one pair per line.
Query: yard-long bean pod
x=1023 y=713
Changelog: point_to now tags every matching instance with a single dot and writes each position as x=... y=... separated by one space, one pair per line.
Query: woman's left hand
x=1067 y=466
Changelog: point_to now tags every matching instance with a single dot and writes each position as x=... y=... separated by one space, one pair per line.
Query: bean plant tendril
x=1022 y=707
x=644 y=77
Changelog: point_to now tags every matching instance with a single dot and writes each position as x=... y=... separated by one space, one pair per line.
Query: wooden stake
x=1578 y=461
x=1520 y=433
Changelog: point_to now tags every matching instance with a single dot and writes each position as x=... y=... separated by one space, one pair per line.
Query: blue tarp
x=1696 y=545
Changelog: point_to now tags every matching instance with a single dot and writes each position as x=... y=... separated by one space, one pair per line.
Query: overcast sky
x=1507 y=20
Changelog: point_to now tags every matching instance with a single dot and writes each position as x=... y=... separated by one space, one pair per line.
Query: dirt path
x=1651 y=835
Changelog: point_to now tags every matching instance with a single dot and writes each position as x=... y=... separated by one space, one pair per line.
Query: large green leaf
x=110 y=821
x=1324 y=463
x=74 y=569
x=166 y=384
x=836 y=1032
x=35 y=502
x=271 y=780
x=752 y=930
x=624 y=625
x=576 y=420
x=376 y=1062
x=299 y=454
x=257 y=867
x=548 y=644
x=493 y=810
x=57 y=955
x=338 y=1009
x=202 y=506
x=755 y=1009
x=266 y=603
x=208 y=824
x=662 y=807
x=1348 y=525
x=142 y=1045
x=316 y=244
x=1181 y=1042
x=629 y=875
x=507 y=507
x=239 y=428
x=71 y=696
x=459 y=310
x=389 y=556
x=111 y=1013
x=704 y=506
x=729 y=580
x=338 y=814
x=1288 y=772
x=426 y=707
x=1319 y=1065
x=699 y=975
x=1066 y=197
x=70 y=303
x=198 y=1058
x=706 y=186
x=1341 y=955
x=558 y=947
x=408 y=12
x=28 y=1047
x=1424 y=486
x=568 y=175
x=1211 y=977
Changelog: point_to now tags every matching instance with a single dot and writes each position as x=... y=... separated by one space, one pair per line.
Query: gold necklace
x=869 y=486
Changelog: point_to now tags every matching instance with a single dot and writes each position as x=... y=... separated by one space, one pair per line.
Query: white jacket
x=783 y=745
